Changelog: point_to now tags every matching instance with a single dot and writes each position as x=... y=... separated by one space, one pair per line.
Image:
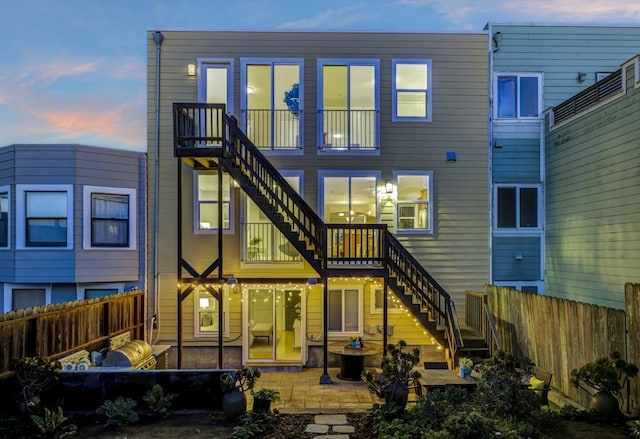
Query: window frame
x=9 y=288
x=81 y=288
x=518 y=76
x=196 y=203
x=395 y=90
x=342 y=289
x=87 y=219
x=21 y=210
x=519 y=284
x=373 y=309
x=6 y=190
x=272 y=62
x=348 y=174
x=430 y=219
x=197 y=330
x=518 y=228
x=348 y=62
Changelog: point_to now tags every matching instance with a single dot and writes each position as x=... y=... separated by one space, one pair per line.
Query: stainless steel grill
x=136 y=354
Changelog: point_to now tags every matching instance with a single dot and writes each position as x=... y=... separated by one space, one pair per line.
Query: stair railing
x=479 y=317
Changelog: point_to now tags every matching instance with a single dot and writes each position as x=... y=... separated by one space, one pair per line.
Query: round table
x=352 y=359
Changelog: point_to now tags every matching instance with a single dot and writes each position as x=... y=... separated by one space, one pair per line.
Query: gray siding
x=593 y=233
x=457 y=253
x=516 y=160
x=63 y=293
x=505 y=265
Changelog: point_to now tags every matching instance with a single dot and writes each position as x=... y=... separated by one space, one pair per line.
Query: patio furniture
x=352 y=359
x=262 y=330
x=439 y=379
x=540 y=383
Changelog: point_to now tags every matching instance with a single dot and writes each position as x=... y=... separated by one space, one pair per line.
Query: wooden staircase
x=305 y=230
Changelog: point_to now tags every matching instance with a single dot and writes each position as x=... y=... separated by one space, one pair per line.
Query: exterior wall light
x=451 y=157
x=191 y=69
x=388 y=186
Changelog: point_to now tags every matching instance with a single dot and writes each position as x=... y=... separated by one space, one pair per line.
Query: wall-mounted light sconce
x=204 y=302
x=451 y=156
x=312 y=281
x=519 y=256
x=191 y=69
x=582 y=76
x=250 y=90
x=232 y=281
x=388 y=187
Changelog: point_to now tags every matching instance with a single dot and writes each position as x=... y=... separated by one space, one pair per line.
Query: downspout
x=157 y=38
x=491 y=51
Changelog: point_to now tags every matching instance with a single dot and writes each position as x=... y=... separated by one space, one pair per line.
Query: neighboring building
x=534 y=67
x=71 y=223
x=593 y=190
x=382 y=135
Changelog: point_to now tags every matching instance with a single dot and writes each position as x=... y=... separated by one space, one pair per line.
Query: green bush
x=158 y=401
x=119 y=413
x=54 y=424
x=253 y=425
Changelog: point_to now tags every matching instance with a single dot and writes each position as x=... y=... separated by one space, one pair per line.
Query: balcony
x=265 y=244
x=198 y=129
x=348 y=130
x=273 y=130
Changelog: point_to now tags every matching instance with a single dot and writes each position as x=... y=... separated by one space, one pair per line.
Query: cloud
x=333 y=18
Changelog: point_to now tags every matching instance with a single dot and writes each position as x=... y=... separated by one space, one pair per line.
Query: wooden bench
x=542 y=384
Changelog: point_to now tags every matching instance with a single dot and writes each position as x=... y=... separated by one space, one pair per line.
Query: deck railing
x=353 y=130
x=275 y=130
x=478 y=317
x=266 y=244
x=355 y=244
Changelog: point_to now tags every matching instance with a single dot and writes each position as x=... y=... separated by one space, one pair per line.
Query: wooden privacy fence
x=60 y=329
x=560 y=335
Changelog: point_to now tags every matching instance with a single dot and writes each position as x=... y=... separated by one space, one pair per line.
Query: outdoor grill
x=136 y=354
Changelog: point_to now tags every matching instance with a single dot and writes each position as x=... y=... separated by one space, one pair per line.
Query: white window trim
x=8 y=293
x=81 y=294
x=360 y=311
x=517 y=230
x=7 y=190
x=227 y=63
x=86 y=215
x=225 y=311
x=519 y=284
x=394 y=90
x=428 y=230
x=196 y=211
x=372 y=302
x=517 y=118
x=345 y=173
x=21 y=189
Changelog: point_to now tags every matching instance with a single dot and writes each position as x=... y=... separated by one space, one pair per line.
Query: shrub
x=119 y=413
x=253 y=425
x=158 y=401
x=54 y=424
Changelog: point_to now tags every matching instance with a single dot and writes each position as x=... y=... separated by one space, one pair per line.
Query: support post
x=385 y=315
x=179 y=267
x=220 y=272
x=325 y=378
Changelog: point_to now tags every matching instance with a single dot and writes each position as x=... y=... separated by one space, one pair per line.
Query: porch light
x=388 y=187
x=451 y=157
x=312 y=281
x=191 y=69
x=204 y=302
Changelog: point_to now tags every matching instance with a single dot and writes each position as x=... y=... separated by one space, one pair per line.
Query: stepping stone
x=317 y=429
x=331 y=419
x=343 y=429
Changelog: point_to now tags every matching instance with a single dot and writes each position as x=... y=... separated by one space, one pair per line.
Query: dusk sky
x=74 y=71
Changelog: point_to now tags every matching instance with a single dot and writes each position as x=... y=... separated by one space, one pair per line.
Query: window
x=348 y=105
x=517 y=207
x=97 y=290
x=4 y=216
x=525 y=287
x=344 y=311
x=411 y=98
x=518 y=95
x=377 y=302
x=272 y=103
x=109 y=217
x=413 y=205
x=206 y=313
x=45 y=216
x=349 y=197
x=21 y=296
x=207 y=204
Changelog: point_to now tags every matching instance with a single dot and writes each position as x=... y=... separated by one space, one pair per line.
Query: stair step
x=436 y=365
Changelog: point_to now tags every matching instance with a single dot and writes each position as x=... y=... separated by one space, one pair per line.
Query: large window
x=349 y=197
x=207 y=204
x=411 y=94
x=44 y=215
x=413 y=206
x=518 y=95
x=345 y=311
x=348 y=105
x=109 y=217
x=517 y=207
x=21 y=296
x=4 y=216
x=272 y=103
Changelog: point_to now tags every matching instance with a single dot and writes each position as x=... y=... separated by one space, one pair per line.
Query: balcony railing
x=348 y=130
x=265 y=243
x=586 y=99
x=355 y=244
x=198 y=126
x=275 y=130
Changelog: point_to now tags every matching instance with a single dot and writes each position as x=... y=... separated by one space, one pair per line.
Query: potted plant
x=37 y=377
x=234 y=384
x=466 y=366
x=603 y=379
x=397 y=374
x=263 y=398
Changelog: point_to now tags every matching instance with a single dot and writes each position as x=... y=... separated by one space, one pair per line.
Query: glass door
x=274 y=324
x=215 y=87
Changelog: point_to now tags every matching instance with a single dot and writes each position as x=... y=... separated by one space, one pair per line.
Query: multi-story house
x=535 y=67
x=592 y=186
x=307 y=188
x=71 y=223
